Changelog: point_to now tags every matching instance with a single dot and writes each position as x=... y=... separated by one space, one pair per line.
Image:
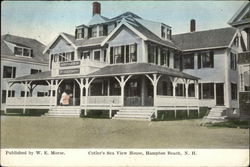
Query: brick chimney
x=96 y=8
x=192 y=25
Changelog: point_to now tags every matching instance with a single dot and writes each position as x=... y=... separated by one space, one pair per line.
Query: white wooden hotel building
x=135 y=68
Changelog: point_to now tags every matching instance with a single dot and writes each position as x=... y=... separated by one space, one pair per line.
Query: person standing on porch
x=64 y=99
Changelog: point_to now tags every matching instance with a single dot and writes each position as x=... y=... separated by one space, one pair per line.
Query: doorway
x=220 y=94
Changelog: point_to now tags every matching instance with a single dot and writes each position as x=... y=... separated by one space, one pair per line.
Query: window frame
x=234 y=91
x=22 y=51
x=13 y=72
x=186 y=58
x=202 y=57
x=94 y=51
x=233 y=61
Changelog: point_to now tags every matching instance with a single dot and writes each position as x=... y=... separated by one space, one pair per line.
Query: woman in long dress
x=64 y=99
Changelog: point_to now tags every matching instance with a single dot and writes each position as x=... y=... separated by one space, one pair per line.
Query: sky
x=44 y=20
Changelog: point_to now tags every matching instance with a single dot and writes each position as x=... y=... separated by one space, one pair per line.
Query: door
x=219 y=94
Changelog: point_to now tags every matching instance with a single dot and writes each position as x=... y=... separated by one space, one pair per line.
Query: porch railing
x=102 y=100
x=176 y=101
x=30 y=101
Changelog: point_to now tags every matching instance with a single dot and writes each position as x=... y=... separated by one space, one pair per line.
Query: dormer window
x=236 y=41
x=79 y=33
x=20 y=51
x=163 y=32
x=103 y=30
x=94 y=32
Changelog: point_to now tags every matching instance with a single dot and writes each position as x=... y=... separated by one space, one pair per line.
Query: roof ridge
x=205 y=30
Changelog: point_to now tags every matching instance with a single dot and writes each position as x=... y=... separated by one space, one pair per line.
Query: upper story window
x=61 y=57
x=236 y=41
x=79 y=33
x=152 y=54
x=165 y=57
x=34 y=71
x=166 y=32
x=9 y=72
x=97 y=55
x=20 y=51
x=177 y=61
x=123 y=54
x=188 y=61
x=233 y=61
x=206 y=59
x=103 y=30
x=94 y=32
x=163 y=34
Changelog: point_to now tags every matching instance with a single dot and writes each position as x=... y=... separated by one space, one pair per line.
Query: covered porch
x=113 y=87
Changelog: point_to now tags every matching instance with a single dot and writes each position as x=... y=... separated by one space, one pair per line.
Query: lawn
x=48 y=132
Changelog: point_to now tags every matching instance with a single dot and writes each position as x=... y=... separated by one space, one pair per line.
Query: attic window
x=20 y=51
x=163 y=34
x=79 y=33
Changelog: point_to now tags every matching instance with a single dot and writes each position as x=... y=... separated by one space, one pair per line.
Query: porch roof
x=112 y=70
x=138 y=68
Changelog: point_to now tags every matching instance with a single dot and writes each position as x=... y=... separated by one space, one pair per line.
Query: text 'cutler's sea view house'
x=130 y=68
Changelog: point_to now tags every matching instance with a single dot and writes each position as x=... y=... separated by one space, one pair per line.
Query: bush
x=231 y=124
x=166 y=115
x=203 y=112
x=96 y=114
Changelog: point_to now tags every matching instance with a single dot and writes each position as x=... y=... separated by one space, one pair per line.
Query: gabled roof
x=69 y=38
x=242 y=16
x=35 y=45
x=141 y=31
x=138 y=68
x=97 y=19
x=216 y=38
x=126 y=15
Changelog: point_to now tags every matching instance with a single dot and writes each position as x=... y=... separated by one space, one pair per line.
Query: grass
x=231 y=124
x=49 y=132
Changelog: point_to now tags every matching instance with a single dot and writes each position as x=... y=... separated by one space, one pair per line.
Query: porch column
x=7 y=96
x=174 y=83
x=87 y=84
x=108 y=91
x=81 y=85
x=122 y=81
x=56 y=90
x=25 y=96
x=154 y=82
x=186 y=81
x=51 y=93
x=196 y=86
x=142 y=91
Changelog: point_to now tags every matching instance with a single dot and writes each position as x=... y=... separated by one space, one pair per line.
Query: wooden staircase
x=64 y=111
x=135 y=113
x=216 y=114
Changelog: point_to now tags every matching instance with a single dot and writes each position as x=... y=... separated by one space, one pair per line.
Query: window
x=118 y=54
x=94 y=32
x=206 y=59
x=61 y=57
x=103 y=30
x=23 y=93
x=9 y=72
x=20 y=51
x=3 y=96
x=152 y=54
x=97 y=55
x=85 y=55
x=208 y=90
x=115 y=88
x=34 y=71
x=233 y=63
x=236 y=41
x=165 y=57
x=169 y=33
x=191 y=90
x=177 y=61
x=188 y=61
x=11 y=93
x=133 y=53
x=90 y=32
x=42 y=94
x=79 y=33
x=104 y=55
x=234 y=91
x=163 y=34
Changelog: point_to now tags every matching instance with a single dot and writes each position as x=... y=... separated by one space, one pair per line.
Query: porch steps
x=66 y=111
x=216 y=114
x=134 y=113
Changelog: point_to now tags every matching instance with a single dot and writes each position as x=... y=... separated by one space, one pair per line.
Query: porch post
x=154 y=82
x=174 y=83
x=7 y=96
x=186 y=87
x=51 y=93
x=142 y=91
x=196 y=89
x=122 y=83
x=25 y=96
x=108 y=91
x=87 y=84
